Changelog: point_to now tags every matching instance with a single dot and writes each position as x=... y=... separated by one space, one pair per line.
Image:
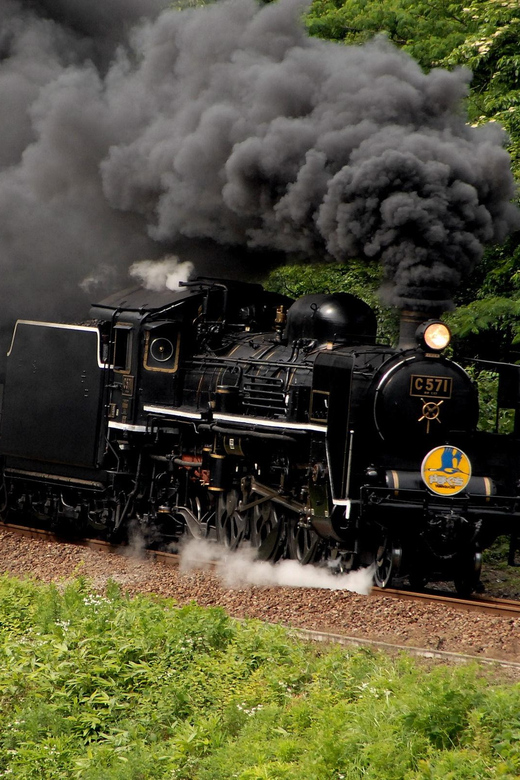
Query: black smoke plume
x=127 y=129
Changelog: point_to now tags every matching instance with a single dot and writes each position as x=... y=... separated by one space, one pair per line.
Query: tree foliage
x=428 y=30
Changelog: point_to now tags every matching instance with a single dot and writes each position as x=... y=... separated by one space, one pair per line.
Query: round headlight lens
x=436 y=336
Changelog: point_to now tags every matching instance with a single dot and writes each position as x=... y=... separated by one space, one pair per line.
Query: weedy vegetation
x=111 y=688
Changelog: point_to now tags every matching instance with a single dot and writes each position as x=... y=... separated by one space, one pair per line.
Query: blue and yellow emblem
x=446 y=470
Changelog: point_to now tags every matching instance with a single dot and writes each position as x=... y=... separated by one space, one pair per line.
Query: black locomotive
x=226 y=412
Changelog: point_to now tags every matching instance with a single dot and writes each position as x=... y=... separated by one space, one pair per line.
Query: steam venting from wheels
x=240 y=569
x=128 y=129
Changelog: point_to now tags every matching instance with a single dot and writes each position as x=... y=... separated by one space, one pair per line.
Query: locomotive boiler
x=224 y=412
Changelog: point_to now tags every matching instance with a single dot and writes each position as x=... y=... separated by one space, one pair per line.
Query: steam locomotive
x=225 y=412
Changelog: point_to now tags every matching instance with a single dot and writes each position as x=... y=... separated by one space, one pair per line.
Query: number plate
x=127 y=384
x=431 y=386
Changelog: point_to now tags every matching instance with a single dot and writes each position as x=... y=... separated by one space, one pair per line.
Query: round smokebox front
x=424 y=400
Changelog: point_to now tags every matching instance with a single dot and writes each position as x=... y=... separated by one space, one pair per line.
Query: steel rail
x=475 y=603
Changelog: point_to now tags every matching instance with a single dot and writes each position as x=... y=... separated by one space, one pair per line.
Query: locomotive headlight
x=434 y=335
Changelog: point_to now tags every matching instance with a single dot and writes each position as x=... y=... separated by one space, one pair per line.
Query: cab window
x=122 y=345
x=161 y=348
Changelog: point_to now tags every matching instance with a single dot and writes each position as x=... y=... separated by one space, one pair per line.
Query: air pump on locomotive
x=225 y=412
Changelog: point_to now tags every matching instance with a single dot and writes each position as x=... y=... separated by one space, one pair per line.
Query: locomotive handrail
x=246 y=361
x=349 y=473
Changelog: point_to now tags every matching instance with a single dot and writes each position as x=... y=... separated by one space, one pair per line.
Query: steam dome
x=340 y=318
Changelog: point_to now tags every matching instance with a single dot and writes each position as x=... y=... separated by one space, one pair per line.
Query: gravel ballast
x=372 y=617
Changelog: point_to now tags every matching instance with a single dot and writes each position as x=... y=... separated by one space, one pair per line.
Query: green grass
x=112 y=688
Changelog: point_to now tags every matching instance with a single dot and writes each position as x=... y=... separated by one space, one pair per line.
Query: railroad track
x=170 y=559
x=477 y=603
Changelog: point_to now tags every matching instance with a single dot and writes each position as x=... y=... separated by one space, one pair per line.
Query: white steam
x=238 y=569
x=163 y=274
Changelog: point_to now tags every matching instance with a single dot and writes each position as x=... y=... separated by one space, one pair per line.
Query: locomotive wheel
x=303 y=544
x=468 y=575
x=230 y=524
x=266 y=532
x=387 y=561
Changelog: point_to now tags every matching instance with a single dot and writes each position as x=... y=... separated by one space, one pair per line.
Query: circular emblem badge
x=446 y=470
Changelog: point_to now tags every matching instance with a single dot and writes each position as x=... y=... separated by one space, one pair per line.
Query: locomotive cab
x=142 y=337
x=150 y=335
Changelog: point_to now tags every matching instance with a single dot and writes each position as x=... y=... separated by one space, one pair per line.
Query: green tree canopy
x=429 y=31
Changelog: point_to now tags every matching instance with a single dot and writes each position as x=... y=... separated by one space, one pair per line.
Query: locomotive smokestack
x=422 y=304
x=410 y=320
x=408 y=324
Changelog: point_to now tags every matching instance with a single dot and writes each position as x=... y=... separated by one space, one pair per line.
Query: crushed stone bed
x=338 y=611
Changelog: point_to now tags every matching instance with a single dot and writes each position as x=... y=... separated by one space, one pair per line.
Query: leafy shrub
x=110 y=688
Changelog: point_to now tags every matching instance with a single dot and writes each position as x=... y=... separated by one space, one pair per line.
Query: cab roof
x=140 y=300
